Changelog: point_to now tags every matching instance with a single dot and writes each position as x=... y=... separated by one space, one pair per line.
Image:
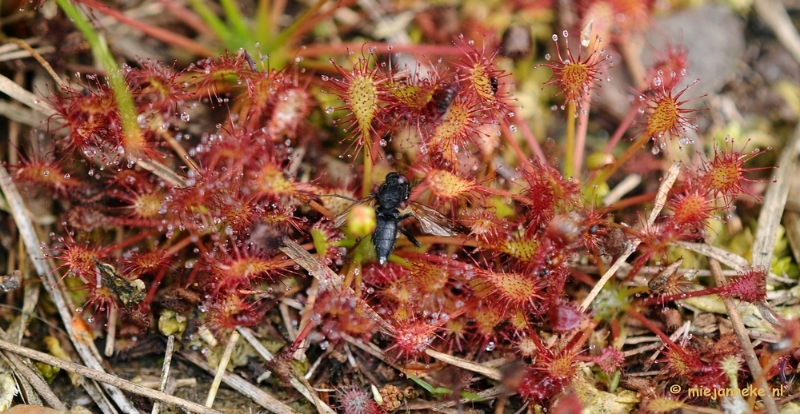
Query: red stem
x=623 y=127
x=631 y=201
x=152 y=31
x=532 y=142
x=145 y=307
x=127 y=242
x=187 y=17
x=651 y=326
x=509 y=136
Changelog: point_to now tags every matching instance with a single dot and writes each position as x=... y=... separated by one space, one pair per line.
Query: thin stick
x=21 y=54
x=623 y=127
x=46 y=273
x=14 y=130
x=162 y=172
x=33 y=378
x=732 y=260
x=661 y=200
x=492 y=373
x=744 y=339
x=624 y=187
x=287 y=321
x=105 y=378
x=165 y=370
x=20 y=114
x=774 y=202
x=223 y=363
x=773 y=13
x=111 y=332
x=329 y=280
x=482 y=396
x=19 y=94
x=243 y=386
x=45 y=64
x=248 y=335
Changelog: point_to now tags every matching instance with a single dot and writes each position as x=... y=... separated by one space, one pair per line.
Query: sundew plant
x=222 y=193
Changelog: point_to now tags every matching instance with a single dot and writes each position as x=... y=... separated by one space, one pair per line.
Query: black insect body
x=392 y=207
x=517 y=42
x=495 y=84
x=442 y=99
x=391 y=195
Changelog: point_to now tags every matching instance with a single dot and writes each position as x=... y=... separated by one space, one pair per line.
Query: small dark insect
x=11 y=281
x=129 y=292
x=667 y=281
x=495 y=84
x=516 y=43
x=442 y=99
x=392 y=196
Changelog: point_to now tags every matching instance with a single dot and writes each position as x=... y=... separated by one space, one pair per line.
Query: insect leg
x=409 y=236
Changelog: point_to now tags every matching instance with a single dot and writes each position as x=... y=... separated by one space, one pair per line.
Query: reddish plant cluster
x=218 y=199
x=443 y=110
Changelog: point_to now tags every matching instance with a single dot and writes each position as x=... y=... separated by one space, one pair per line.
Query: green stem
x=122 y=95
x=286 y=34
x=263 y=20
x=611 y=169
x=568 y=159
x=235 y=19
x=215 y=23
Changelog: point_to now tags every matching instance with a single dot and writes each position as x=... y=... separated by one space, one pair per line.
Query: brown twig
x=165 y=370
x=85 y=349
x=106 y=378
x=33 y=379
x=243 y=386
x=45 y=64
x=223 y=363
x=307 y=392
x=661 y=200
x=773 y=13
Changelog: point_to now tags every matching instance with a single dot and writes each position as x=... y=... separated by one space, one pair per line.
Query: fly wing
x=341 y=219
x=434 y=222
